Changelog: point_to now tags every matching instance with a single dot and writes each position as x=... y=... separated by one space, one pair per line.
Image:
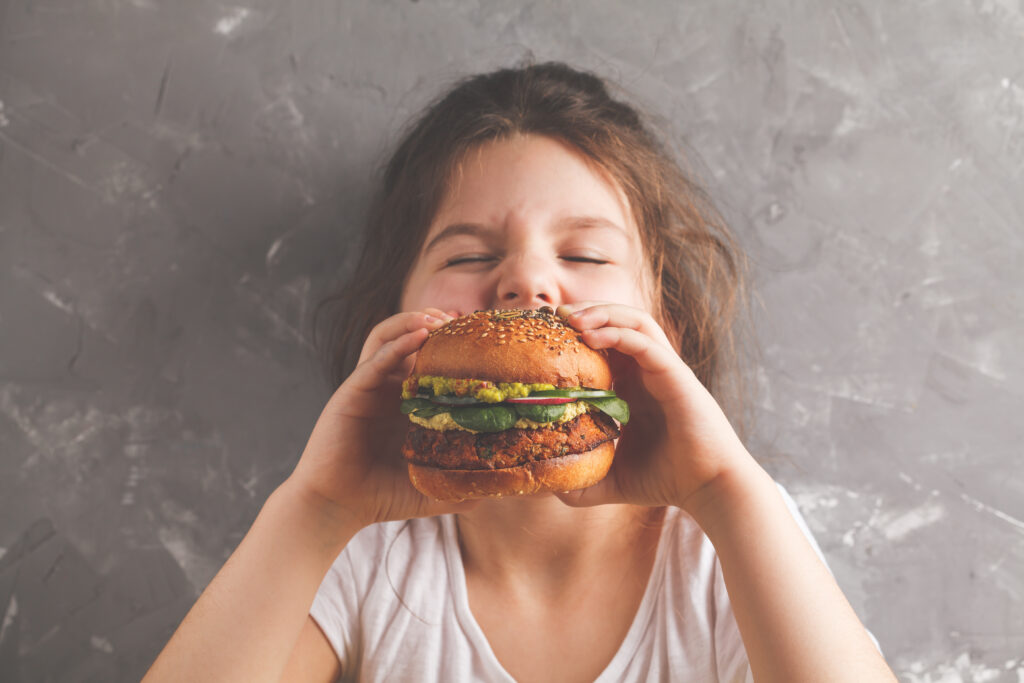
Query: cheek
x=645 y=284
x=649 y=288
x=626 y=287
x=445 y=291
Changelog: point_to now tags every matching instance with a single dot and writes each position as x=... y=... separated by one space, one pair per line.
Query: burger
x=509 y=403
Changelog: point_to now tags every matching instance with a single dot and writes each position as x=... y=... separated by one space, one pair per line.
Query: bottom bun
x=564 y=473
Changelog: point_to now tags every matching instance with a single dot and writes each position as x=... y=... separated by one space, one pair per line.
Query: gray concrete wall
x=179 y=181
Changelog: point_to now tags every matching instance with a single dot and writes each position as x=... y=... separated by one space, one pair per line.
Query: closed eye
x=584 y=259
x=476 y=258
x=482 y=258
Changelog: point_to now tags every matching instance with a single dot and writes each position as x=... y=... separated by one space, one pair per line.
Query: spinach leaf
x=410 y=405
x=541 y=412
x=613 y=407
x=430 y=411
x=484 y=418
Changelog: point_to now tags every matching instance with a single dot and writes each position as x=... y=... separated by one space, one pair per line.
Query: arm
x=246 y=623
x=313 y=657
x=795 y=622
x=679 y=449
x=252 y=618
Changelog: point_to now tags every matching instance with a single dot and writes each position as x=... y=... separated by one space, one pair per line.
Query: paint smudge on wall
x=179 y=539
x=9 y=616
x=960 y=670
x=899 y=526
x=230 y=22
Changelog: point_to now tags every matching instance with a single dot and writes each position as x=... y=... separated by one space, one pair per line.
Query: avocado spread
x=481 y=390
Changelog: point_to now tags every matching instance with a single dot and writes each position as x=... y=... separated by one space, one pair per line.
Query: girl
x=525 y=188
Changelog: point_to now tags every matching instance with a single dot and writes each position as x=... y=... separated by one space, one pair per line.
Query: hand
x=353 y=457
x=678 y=439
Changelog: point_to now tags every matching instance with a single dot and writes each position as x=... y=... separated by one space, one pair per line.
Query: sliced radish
x=575 y=393
x=541 y=400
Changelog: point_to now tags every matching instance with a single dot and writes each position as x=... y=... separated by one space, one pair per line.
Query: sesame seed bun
x=532 y=347
x=528 y=347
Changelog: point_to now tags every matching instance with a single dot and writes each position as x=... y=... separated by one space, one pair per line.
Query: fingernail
x=432 y=319
x=576 y=315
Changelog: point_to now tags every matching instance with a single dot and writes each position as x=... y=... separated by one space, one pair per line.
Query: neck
x=542 y=538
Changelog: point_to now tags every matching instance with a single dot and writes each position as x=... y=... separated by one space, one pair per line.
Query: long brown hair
x=697 y=267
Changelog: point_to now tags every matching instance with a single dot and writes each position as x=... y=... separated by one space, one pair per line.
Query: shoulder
x=392 y=543
x=683 y=604
x=377 y=536
x=380 y=553
x=378 y=558
x=388 y=580
x=683 y=541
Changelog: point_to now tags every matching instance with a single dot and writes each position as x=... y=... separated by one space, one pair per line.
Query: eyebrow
x=573 y=223
x=454 y=230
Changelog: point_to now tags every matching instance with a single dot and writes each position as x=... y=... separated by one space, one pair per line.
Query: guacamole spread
x=481 y=390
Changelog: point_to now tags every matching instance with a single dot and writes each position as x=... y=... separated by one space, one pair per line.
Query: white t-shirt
x=394 y=608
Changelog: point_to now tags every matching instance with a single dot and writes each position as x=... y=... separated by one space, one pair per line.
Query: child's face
x=529 y=223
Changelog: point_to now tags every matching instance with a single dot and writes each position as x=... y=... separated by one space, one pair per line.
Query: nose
x=526 y=281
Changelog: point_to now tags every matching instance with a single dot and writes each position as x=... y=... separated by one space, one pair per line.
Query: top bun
x=532 y=347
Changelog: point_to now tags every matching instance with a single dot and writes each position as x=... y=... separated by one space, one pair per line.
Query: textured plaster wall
x=178 y=186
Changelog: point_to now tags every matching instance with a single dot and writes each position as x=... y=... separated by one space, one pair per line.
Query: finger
x=647 y=352
x=589 y=316
x=665 y=373
x=374 y=372
x=565 y=310
x=397 y=325
x=438 y=313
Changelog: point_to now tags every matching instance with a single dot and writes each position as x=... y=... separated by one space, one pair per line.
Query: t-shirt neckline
x=475 y=634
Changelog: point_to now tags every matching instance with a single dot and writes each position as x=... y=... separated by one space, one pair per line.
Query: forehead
x=531 y=175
